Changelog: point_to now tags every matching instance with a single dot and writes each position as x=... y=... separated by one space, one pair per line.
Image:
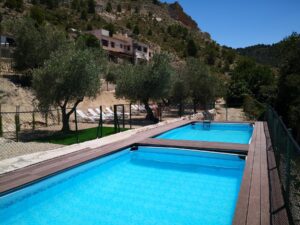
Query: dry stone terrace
x=254 y=206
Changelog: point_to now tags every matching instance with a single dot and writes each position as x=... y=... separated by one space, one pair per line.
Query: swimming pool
x=150 y=185
x=239 y=133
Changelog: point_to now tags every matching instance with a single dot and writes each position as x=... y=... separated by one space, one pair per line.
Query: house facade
x=122 y=47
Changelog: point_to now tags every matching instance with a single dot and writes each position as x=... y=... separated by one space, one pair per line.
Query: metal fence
x=30 y=131
x=287 y=154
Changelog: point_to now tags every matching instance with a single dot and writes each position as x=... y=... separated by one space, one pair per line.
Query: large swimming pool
x=164 y=186
x=238 y=133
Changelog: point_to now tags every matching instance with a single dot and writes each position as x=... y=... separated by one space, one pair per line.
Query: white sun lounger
x=141 y=108
x=135 y=107
x=105 y=116
x=119 y=114
x=84 y=117
x=110 y=111
x=93 y=113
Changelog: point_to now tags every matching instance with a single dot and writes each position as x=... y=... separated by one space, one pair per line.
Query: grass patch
x=71 y=138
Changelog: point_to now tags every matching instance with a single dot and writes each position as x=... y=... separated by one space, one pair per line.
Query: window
x=112 y=44
x=128 y=48
x=121 y=46
x=150 y=55
x=139 y=48
x=145 y=49
x=104 y=42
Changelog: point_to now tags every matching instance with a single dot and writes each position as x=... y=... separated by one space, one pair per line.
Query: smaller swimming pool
x=237 y=133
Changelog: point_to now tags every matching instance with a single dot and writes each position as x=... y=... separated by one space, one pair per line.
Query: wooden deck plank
x=240 y=217
x=253 y=202
x=265 y=194
x=254 y=208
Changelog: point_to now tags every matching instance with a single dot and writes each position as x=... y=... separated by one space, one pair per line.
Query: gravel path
x=10 y=149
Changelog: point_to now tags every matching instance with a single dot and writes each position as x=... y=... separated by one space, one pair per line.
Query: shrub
x=108 y=7
x=37 y=14
x=253 y=109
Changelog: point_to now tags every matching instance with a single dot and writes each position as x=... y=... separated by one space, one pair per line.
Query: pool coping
x=203 y=145
x=253 y=206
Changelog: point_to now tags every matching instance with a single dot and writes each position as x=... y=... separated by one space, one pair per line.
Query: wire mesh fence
x=29 y=131
x=287 y=154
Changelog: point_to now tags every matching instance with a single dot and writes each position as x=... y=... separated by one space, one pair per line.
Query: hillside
x=163 y=25
x=273 y=55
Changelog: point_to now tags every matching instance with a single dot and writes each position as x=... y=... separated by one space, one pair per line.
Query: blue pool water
x=146 y=187
x=217 y=132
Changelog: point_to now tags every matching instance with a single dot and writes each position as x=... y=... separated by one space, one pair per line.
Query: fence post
x=17 y=122
x=33 y=120
x=123 y=114
x=58 y=117
x=46 y=119
x=115 y=119
x=100 y=124
x=76 y=126
x=226 y=111
x=159 y=112
x=288 y=168
x=1 y=125
x=130 y=122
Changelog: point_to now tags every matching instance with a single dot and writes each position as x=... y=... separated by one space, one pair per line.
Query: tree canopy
x=288 y=101
x=250 y=78
x=35 y=43
x=144 y=82
x=203 y=85
x=66 y=78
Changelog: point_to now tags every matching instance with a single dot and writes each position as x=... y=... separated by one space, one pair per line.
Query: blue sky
x=241 y=23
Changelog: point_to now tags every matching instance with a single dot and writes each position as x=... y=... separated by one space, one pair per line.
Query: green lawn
x=83 y=135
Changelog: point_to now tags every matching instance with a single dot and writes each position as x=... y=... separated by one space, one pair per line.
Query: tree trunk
x=65 y=120
x=150 y=115
x=66 y=115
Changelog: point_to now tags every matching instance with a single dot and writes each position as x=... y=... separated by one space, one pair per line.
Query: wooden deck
x=260 y=200
x=258 y=203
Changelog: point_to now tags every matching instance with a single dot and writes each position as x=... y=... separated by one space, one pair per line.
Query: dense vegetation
x=283 y=91
x=288 y=100
x=273 y=55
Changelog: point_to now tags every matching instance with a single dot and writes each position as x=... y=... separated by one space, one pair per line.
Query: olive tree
x=178 y=93
x=203 y=86
x=35 y=43
x=145 y=82
x=66 y=78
